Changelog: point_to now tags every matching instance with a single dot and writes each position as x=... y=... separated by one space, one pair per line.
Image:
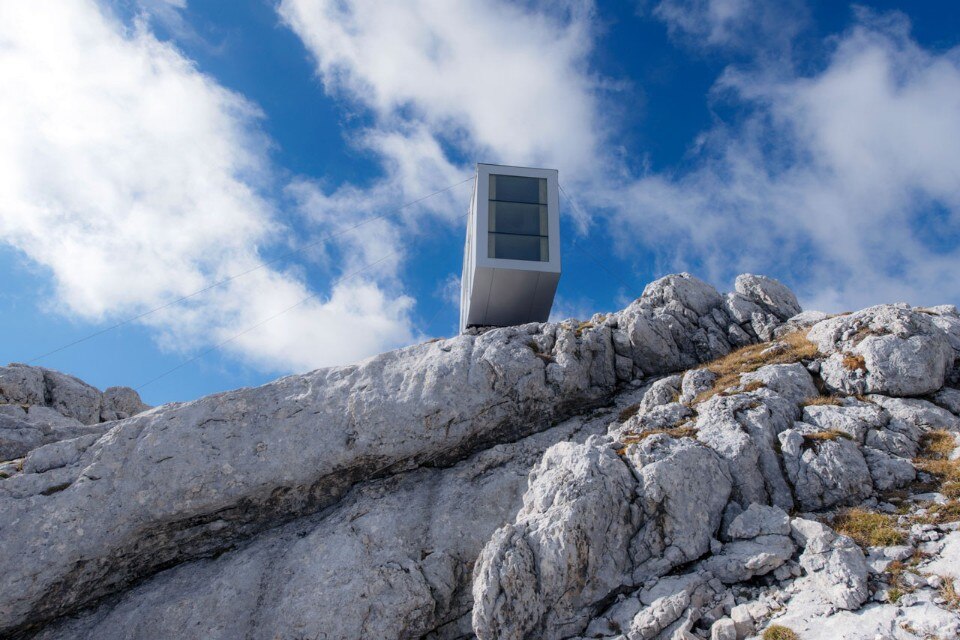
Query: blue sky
x=151 y=148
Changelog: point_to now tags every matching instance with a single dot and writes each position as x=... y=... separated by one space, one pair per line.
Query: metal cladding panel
x=543 y=296
x=500 y=291
x=476 y=312
x=511 y=297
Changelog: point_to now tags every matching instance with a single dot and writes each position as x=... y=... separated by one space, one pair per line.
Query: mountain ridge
x=178 y=498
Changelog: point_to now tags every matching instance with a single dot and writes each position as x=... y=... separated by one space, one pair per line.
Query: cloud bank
x=135 y=179
x=836 y=180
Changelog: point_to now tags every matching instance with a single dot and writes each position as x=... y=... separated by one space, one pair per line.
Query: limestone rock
x=589 y=526
x=791 y=382
x=741 y=560
x=567 y=550
x=834 y=563
x=824 y=472
x=757 y=520
x=21 y=384
x=695 y=382
x=23 y=429
x=885 y=349
x=682 y=489
x=661 y=392
x=949 y=399
x=392 y=560
x=853 y=418
x=769 y=294
x=120 y=403
x=888 y=471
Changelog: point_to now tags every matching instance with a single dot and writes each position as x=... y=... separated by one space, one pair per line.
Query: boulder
x=567 y=550
x=888 y=471
x=769 y=294
x=835 y=565
x=887 y=349
x=758 y=520
x=21 y=384
x=592 y=524
x=824 y=472
x=853 y=418
x=121 y=402
x=72 y=397
x=695 y=382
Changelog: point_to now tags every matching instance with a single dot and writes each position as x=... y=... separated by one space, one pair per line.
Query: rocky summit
x=696 y=465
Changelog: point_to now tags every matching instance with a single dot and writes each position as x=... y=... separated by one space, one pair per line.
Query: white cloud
x=831 y=178
x=753 y=25
x=823 y=179
x=503 y=80
x=134 y=179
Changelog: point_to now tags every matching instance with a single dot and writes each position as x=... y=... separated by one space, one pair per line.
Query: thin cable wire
x=233 y=277
x=586 y=251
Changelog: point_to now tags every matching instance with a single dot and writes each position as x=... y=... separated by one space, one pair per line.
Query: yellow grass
x=685 y=430
x=949 y=593
x=813 y=439
x=628 y=413
x=854 y=361
x=821 y=400
x=868 y=528
x=780 y=632
x=791 y=348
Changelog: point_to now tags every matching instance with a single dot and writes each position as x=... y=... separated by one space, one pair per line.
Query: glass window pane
x=511 y=247
x=513 y=217
x=518 y=189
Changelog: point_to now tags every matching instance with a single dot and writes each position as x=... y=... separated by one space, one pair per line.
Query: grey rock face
x=743 y=429
x=21 y=384
x=392 y=560
x=695 y=382
x=835 y=565
x=24 y=429
x=119 y=403
x=424 y=493
x=758 y=520
x=741 y=560
x=72 y=397
x=187 y=480
x=949 y=399
x=886 y=349
x=567 y=549
x=792 y=382
x=888 y=471
x=824 y=473
x=769 y=294
x=591 y=526
x=853 y=418
x=39 y=406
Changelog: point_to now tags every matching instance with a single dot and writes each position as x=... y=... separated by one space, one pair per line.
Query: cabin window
x=518 y=218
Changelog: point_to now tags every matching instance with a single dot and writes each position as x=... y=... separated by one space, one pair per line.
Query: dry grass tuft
x=854 y=362
x=866 y=331
x=684 y=430
x=868 y=528
x=936 y=444
x=949 y=593
x=811 y=440
x=779 y=632
x=940 y=513
x=628 y=413
x=791 y=348
x=583 y=326
x=822 y=400
x=753 y=385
